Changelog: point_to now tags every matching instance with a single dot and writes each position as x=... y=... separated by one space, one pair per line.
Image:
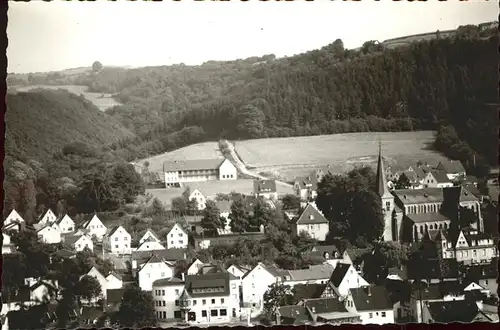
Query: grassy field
x=296 y=156
x=205 y=150
x=211 y=188
x=100 y=100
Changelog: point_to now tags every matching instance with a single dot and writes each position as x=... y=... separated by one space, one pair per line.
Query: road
x=243 y=168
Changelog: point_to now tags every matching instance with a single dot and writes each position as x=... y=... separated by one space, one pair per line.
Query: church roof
x=382 y=189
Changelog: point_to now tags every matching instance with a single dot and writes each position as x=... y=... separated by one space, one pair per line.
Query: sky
x=50 y=36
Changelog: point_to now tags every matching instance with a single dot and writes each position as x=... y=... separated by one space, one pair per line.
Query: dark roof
x=114 y=295
x=154 y=258
x=453 y=311
x=71 y=239
x=264 y=186
x=310 y=215
x=113 y=230
x=171 y=281
x=194 y=164
x=480 y=272
x=436 y=290
x=151 y=231
x=308 y=291
x=451 y=166
x=357 y=254
x=167 y=254
x=59 y=220
x=440 y=176
x=339 y=273
x=63 y=253
x=314 y=272
x=310 y=181
x=294 y=314
x=434 y=195
x=275 y=270
x=427 y=217
x=209 y=281
x=371 y=298
x=472 y=189
x=325 y=305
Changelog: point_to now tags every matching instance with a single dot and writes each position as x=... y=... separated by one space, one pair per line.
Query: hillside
x=40 y=123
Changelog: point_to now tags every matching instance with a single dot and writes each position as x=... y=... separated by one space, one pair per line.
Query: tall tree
x=277 y=295
x=239 y=216
x=89 y=288
x=211 y=220
x=136 y=309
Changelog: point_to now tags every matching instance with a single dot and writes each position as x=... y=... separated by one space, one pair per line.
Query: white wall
x=255 y=284
x=177 y=238
x=152 y=272
x=83 y=242
x=150 y=246
x=50 y=235
x=317 y=231
x=227 y=171
x=97 y=228
x=164 y=298
x=119 y=242
x=113 y=283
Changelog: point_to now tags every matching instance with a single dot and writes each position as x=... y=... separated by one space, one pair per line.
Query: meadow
x=211 y=188
x=295 y=156
x=205 y=150
x=101 y=100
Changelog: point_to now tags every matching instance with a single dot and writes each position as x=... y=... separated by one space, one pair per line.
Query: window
x=156 y=303
x=388 y=206
x=126 y=245
x=213 y=301
x=223 y=312
x=177 y=303
x=176 y=291
x=125 y=238
x=180 y=242
x=180 y=234
x=383 y=314
x=116 y=246
x=171 y=235
x=203 y=313
x=233 y=286
x=164 y=303
x=370 y=315
x=163 y=275
x=484 y=253
x=78 y=245
x=162 y=292
x=203 y=302
x=164 y=314
x=194 y=302
x=486 y=282
x=213 y=312
x=221 y=300
x=116 y=239
x=172 y=242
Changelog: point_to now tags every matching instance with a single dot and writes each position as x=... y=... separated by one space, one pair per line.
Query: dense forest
x=448 y=83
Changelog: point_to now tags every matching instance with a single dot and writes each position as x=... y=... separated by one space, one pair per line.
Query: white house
x=154 y=269
x=257 y=281
x=452 y=168
x=437 y=179
x=118 y=241
x=48 y=218
x=94 y=272
x=211 y=298
x=44 y=291
x=371 y=303
x=78 y=242
x=66 y=224
x=94 y=225
x=6 y=244
x=150 y=246
x=166 y=293
x=149 y=236
x=237 y=272
x=177 y=238
x=312 y=222
x=344 y=278
x=200 y=199
x=195 y=267
x=50 y=234
x=13 y=218
x=178 y=172
x=265 y=188
x=115 y=281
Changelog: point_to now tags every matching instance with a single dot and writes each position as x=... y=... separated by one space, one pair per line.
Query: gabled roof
x=310 y=181
x=113 y=230
x=440 y=176
x=427 y=217
x=453 y=311
x=320 y=250
x=308 y=291
x=87 y=218
x=382 y=188
x=310 y=215
x=452 y=166
x=264 y=186
x=190 y=165
x=70 y=240
x=115 y=274
x=325 y=305
x=276 y=271
x=219 y=280
x=294 y=314
x=154 y=259
x=171 y=281
x=371 y=298
x=60 y=219
x=315 y=272
x=339 y=273
x=167 y=254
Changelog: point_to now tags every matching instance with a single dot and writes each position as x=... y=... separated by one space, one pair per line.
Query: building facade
x=118 y=241
x=312 y=222
x=179 y=172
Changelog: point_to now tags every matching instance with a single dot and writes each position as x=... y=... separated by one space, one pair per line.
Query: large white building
x=312 y=222
x=118 y=241
x=154 y=269
x=179 y=172
x=177 y=238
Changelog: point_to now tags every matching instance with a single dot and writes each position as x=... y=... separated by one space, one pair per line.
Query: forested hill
x=40 y=123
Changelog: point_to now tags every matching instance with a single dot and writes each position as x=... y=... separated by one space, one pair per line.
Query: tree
x=250 y=122
x=403 y=182
x=96 y=66
x=239 y=216
x=262 y=214
x=89 y=288
x=14 y=272
x=211 y=220
x=127 y=182
x=136 y=309
x=179 y=205
x=277 y=295
x=290 y=202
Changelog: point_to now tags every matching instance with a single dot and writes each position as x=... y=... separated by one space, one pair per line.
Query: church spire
x=382 y=189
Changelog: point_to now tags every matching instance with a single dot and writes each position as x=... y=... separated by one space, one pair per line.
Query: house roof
x=275 y=270
x=440 y=176
x=60 y=219
x=264 y=186
x=434 y=195
x=113 y=230
x=115 y=274
x=193 y=164
x=453 y=311
x=114 y=295
x=325 y=305
x=357 y=254
x=208 y=281
x=339 y=273
x=320 y=250
x=371 y=298
x=171 y=281
x=153 y=259
x=452 y=166
x=310 y=181
x=167 y=254
x=427 y=217
x=314 y=272
x=87 y=218
x=70 y=240
x=152 y=233
x=308 y=291
x=310 y=215
x=297 y=314
x=480 y=272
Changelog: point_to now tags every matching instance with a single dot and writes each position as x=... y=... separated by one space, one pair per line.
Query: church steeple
x=382 y=189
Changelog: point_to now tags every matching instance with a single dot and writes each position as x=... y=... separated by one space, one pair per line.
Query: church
x=410 y=214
